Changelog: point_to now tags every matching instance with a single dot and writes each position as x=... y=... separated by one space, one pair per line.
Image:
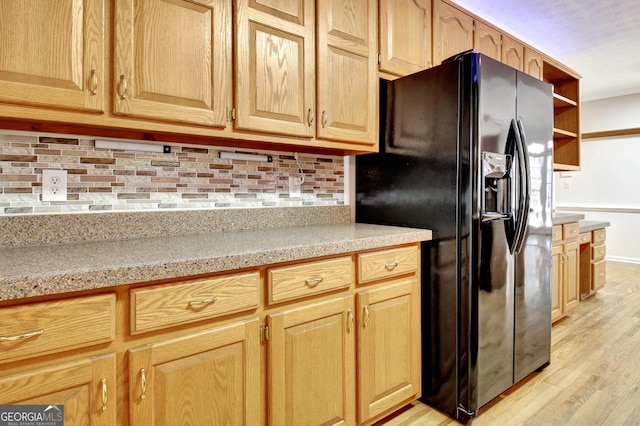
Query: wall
x=190 y=177
x=607 y=187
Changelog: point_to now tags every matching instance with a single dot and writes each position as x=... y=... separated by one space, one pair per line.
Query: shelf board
x=560 y=101
x=559 y=167
x=560 y=133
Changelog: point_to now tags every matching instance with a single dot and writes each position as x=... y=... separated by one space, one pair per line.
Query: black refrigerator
x=466 y=150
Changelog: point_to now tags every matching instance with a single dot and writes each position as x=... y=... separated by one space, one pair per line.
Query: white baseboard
x=622 y=259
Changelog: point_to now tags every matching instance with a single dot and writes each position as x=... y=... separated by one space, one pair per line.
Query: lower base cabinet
x=86 y=388
x=388 y=361
x=311 y=364
x=565 y=292
x=210 y=377
x=332 y=341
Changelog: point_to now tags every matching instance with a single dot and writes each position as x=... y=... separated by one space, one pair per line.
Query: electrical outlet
x=295 y=184
x=54 y=185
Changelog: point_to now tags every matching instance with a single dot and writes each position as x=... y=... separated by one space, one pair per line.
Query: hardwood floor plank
x=594 y=375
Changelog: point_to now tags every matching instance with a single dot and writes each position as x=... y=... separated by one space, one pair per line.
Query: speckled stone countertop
x=562 y=218
x=590 y=225
x=51 y=269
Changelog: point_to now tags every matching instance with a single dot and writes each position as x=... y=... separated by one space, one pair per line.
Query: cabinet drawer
x=584 y=238
x=570 y=230
x=598 y=274
x=598 y=251
x=307 y=279
x=387 y=263
x=47 y=327
x=599 y=235
x=556 y=233
x=167 y=305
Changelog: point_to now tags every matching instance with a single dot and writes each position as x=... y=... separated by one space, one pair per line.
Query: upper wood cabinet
x=533 y=63
x=512 y=53
x=274 y=65
x=52 y=53
x=172 y=60
x=487 y=40
x=277 y=70
x=405 y=36
x=347 y=98
x=452 y=31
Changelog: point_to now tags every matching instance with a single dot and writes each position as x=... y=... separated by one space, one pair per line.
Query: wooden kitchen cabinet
x=388 y=349
x=53 y=54
x=533 y=63
x=452 y=31
x=566 y=115
x=487 y=40
x=512 y=53
x=172 y=60
x=277 y=70
x=311 y=364
x=206 y=377
x=86 y=388
x=405 y=36
x=593 y=267
x=565 y=271
x=347 y=78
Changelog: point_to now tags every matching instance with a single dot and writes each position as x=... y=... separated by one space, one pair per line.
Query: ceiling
x=600 y=40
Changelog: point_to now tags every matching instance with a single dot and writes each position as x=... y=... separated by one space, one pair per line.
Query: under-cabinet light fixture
x=132 y=146
x=247 y=157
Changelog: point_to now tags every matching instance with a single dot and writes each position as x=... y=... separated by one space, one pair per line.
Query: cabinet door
x=209 y=377
x=346 y=71
x=388 y=357
x=533 y=63
x=86 y=388
x=274 y=73
x=172 y=60
x=513 y=53
x=487 y=40
x=571 y=277
x=405 y=36
x=452 y=31
x=311 y=364
x=52 y=53
x=556 y=282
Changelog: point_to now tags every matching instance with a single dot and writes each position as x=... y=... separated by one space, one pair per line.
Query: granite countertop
x=590 y=225
x=562 y=218
x=52 y=269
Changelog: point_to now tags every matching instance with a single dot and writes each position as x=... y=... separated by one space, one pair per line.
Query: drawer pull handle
x=312 y=282
x=104 y=394
x=202 y=302
x=349 y=321
x=21 y=336
x=365 y=310
x=143 y=375
x=601 y=274
x=391 y=266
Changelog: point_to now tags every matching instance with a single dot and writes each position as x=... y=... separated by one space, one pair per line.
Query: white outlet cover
x=54 y=185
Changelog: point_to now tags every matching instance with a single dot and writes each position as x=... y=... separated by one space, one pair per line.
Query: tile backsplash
x=189 y=177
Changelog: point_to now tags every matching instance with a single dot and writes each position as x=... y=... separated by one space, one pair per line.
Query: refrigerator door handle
x=524 y=186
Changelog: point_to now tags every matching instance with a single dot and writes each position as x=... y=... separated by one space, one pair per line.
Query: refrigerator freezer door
x=494 y=281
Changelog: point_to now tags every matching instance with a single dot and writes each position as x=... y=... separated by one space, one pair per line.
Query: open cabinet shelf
x=566 y=115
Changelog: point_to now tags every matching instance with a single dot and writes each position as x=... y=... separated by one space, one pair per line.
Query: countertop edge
x=591 y=225
x=74 y=277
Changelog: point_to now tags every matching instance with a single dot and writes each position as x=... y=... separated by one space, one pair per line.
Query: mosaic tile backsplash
x=189 y=177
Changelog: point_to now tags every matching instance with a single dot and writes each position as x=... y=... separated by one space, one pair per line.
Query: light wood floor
x=594 y=376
